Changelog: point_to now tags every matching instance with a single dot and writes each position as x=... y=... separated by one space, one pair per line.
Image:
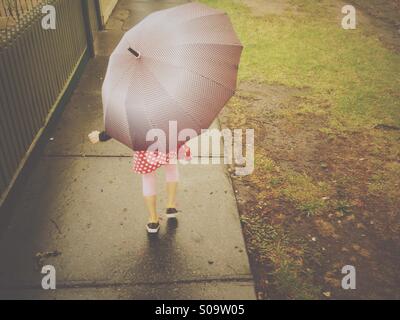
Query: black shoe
x=153 y=227
x=172 y=213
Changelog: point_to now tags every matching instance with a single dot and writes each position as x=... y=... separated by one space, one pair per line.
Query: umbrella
x=178 y=64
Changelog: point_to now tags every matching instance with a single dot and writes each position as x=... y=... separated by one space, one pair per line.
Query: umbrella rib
x=192 y=71
x=166 y=91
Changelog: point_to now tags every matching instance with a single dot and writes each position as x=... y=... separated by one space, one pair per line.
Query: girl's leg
x=150 y=195
x=172 y=178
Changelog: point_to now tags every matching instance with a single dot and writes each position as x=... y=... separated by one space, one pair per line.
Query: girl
x=146 y=163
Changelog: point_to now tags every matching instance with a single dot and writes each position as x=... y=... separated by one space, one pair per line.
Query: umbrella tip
x=134 y=52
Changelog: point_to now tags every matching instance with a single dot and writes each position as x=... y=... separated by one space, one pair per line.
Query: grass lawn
x=325 y=104
x=306 y=47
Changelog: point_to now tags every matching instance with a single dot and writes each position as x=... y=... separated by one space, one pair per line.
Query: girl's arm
x=97 y=136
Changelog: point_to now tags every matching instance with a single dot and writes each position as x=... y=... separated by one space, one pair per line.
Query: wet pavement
x=83 y=206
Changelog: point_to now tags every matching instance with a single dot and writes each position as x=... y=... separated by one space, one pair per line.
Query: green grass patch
x=349 y=68
x=386 y=182
x=307 y=195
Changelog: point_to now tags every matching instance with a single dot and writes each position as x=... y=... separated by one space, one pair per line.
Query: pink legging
x=149 y=179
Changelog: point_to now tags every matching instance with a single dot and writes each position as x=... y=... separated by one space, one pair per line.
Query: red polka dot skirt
x=145 y=162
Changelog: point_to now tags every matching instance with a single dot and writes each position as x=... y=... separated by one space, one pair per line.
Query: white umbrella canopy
x=178 y=64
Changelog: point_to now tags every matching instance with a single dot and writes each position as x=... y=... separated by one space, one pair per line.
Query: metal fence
x=36 y=67
x=16 y=8
x=11 y=11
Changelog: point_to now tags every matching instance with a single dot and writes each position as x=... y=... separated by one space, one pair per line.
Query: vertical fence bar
x=9 y=156
x=33 y=62
x=69 y=35
x=27 y=62
x=23 y=85
x=15 y=100
x=46 y=41
x=41 y=65
x=60 y=35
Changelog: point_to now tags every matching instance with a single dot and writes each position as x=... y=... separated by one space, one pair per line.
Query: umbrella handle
x=135 y=53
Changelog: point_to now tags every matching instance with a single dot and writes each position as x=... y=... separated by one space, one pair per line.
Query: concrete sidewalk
x=83 y=204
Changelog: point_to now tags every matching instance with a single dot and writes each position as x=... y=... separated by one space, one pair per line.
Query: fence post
x=89 y=34
x=98 y=14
